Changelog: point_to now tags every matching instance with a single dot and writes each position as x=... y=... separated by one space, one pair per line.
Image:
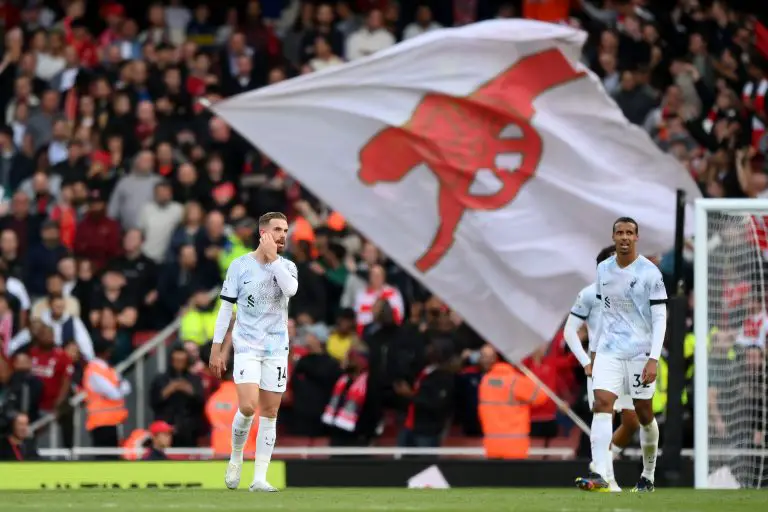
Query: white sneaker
x=232 y=477
x=261 y=487
x=614 y=486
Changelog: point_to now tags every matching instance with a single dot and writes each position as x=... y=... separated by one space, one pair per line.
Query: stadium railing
x=304 y=452
x=309 y=452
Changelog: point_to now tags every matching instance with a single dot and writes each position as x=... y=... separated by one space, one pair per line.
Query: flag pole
x=561 y=404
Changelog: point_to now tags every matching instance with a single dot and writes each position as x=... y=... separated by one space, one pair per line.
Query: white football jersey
x=626 y=296
x=261 y=326
x=587 y=307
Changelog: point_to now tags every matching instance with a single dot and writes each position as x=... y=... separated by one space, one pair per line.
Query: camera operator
x=16 y=444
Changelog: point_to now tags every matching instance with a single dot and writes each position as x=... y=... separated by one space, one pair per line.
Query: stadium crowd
x=123 y=200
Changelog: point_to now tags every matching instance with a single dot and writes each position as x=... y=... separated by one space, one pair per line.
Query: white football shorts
x=270 y=373
x=623 y=403
x=621 y=377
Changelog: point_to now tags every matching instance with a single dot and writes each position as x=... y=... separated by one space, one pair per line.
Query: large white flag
x=486 y=160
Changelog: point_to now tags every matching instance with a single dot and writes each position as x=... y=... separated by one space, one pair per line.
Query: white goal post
x=730 y=326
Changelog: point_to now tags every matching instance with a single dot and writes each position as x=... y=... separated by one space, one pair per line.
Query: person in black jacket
x=24 y=389
x=431 y=397
x=177 y=398
x=312 y=383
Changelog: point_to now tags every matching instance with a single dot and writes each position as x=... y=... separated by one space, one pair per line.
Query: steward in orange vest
x=136 y=443
x=505 y=400
x=220 y=410
x=105 y=398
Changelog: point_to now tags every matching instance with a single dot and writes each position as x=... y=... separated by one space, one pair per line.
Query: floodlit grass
x=394 y=500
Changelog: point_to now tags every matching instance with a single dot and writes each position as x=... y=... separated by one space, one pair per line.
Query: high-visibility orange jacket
x=220 y=411
x=135 y=442
x=506 y=397
x=102 y=411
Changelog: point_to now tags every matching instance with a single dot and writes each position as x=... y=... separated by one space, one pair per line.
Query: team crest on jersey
x=633 y=283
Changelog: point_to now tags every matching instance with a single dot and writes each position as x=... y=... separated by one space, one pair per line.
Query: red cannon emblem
x=457 y=137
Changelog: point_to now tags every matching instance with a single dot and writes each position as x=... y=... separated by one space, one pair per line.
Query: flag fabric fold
x=486 y=160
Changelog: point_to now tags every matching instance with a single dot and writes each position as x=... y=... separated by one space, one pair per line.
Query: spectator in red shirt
x=98 y=237
x=543 y=417
x=82 y=41
x=51 y=365
x=9 y=14
x=113 y=14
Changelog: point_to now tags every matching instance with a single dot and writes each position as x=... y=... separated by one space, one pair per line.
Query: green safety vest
x=198 y=326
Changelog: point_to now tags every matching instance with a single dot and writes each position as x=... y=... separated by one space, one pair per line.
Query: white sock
x=616 y=450
x=609 y=475
x=602 y=432
x=241 y=427
x=265 y=443
x=649 y=442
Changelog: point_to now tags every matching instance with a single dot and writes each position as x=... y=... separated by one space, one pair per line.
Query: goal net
x=731 y=325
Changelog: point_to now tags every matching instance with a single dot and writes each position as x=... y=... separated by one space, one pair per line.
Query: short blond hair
x=269 y=216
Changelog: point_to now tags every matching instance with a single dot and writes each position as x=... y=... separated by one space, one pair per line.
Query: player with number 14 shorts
x=260 y=283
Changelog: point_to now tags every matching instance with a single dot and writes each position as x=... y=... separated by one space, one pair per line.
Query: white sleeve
x=658 y=298
x=571 y=334
x=593 y=344
x=222 y=321
x=17 y=288
x=22 y=338
x=231 y=287
x=83 y=339
x=103 y=387
x=287 y=276
x=659 y=328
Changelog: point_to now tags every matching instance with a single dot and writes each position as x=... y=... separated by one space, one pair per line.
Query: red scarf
x=756 y=92
x=410 y=420
x=711 y=119
x=347 y=401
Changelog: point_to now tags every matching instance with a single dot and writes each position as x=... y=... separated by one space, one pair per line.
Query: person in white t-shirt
x=633 y=321
x=373 y=37
x=586 y=312
x=260 y=283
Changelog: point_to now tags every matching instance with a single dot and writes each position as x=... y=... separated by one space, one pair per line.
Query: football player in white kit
x=633 y=321
x=586 y=310
x=260 y=284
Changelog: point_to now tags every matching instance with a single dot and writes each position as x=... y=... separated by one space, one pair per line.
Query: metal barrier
x=307 y=452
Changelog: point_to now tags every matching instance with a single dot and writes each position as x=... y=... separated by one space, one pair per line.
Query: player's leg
x=629 y=426
x=247 y=375
x=608 y=384
x=620 y=440
x=642 y=395
x=274 y=377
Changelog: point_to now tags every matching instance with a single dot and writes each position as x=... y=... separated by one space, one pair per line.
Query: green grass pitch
x=393 y=500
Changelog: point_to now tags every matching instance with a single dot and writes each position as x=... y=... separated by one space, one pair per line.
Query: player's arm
x=657 y=295
x=577 y=317
x=229 y=293
x=286 y=274
x=658 y=298
x=593 y=343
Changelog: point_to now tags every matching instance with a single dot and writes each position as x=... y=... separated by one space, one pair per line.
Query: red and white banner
x=486 y=160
